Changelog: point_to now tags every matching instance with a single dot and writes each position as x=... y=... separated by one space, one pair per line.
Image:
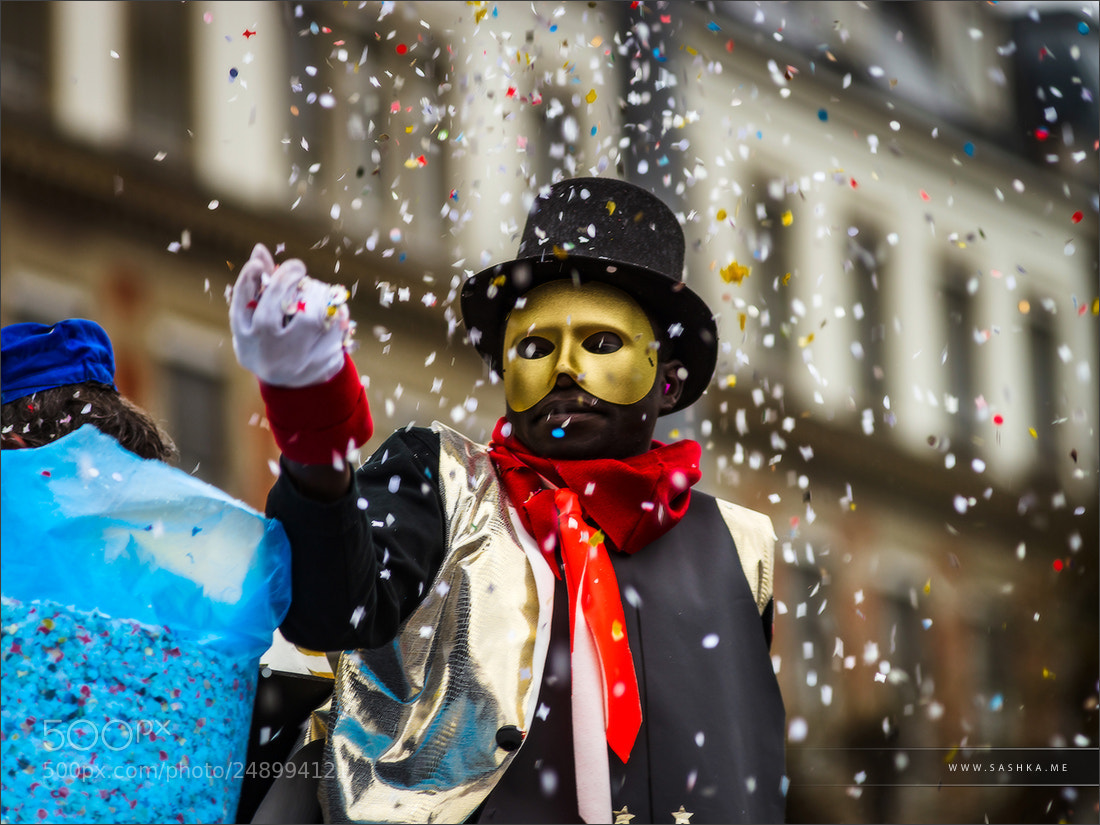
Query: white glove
x=289 y=330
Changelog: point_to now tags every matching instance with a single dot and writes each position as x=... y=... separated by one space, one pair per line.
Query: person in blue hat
x=138 y=543
x=57 y=377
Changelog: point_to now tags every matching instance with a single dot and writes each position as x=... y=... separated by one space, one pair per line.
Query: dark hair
x=44 y=416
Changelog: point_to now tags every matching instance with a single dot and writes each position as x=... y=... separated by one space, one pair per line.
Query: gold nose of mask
x=594 y=333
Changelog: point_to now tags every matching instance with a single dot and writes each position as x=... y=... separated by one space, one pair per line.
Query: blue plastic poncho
x=137 y=601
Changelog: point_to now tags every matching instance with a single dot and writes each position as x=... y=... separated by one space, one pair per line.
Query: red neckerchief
x=631 y=501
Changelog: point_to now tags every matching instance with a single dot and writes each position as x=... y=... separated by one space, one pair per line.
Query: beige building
x=907 y=381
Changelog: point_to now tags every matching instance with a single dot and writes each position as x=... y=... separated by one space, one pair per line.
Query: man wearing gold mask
x=553 y=627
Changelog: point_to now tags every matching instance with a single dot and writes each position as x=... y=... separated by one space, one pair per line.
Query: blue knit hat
x=38 y=357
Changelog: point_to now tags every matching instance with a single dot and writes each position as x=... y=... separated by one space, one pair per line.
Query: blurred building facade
x=907 y=381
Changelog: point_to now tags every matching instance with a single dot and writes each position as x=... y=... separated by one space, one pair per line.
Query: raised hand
x=289 y=330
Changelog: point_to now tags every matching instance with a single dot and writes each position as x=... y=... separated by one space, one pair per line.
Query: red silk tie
x=588 y=571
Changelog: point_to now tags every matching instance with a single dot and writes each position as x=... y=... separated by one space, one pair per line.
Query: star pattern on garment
x=623 y=817
x=682 y=817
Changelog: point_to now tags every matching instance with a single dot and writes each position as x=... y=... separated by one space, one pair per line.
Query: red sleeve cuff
x=310 y=424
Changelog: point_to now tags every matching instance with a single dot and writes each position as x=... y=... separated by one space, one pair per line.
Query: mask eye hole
x=603 y=343
x=533 y=347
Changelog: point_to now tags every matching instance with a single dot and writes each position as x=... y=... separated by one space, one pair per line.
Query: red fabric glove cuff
x=312 y=423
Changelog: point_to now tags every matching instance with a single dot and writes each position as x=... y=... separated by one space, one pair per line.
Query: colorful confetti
x=109 y=720
x=955 y=328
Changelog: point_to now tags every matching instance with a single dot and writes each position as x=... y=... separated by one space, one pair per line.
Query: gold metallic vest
x=414 y=731
x=414 y=725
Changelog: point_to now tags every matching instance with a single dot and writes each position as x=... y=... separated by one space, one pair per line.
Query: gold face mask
x=594 y=333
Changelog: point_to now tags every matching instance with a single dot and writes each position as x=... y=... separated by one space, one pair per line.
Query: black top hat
x=601 y=229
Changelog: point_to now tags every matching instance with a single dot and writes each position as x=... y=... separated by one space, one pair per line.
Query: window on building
x=900 y=645
x=1056 y=90
x=377 y=136
x=307 y=53
x=160 y=77
x=554 y=142
x=25 y=57
x=958 y=307
x=992 y=683
x=808 y=645
x=415 y=171
x=1045 y=366
x=766 y=289
x=196 y=421
x=866 y=266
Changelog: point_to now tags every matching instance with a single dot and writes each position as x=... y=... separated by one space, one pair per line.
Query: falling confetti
x=735 y=273
x=795 y=403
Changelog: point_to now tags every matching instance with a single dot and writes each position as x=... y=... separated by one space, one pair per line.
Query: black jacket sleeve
x=360 y=565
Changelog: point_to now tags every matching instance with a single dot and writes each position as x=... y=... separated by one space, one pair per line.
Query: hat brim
x=679 y=315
